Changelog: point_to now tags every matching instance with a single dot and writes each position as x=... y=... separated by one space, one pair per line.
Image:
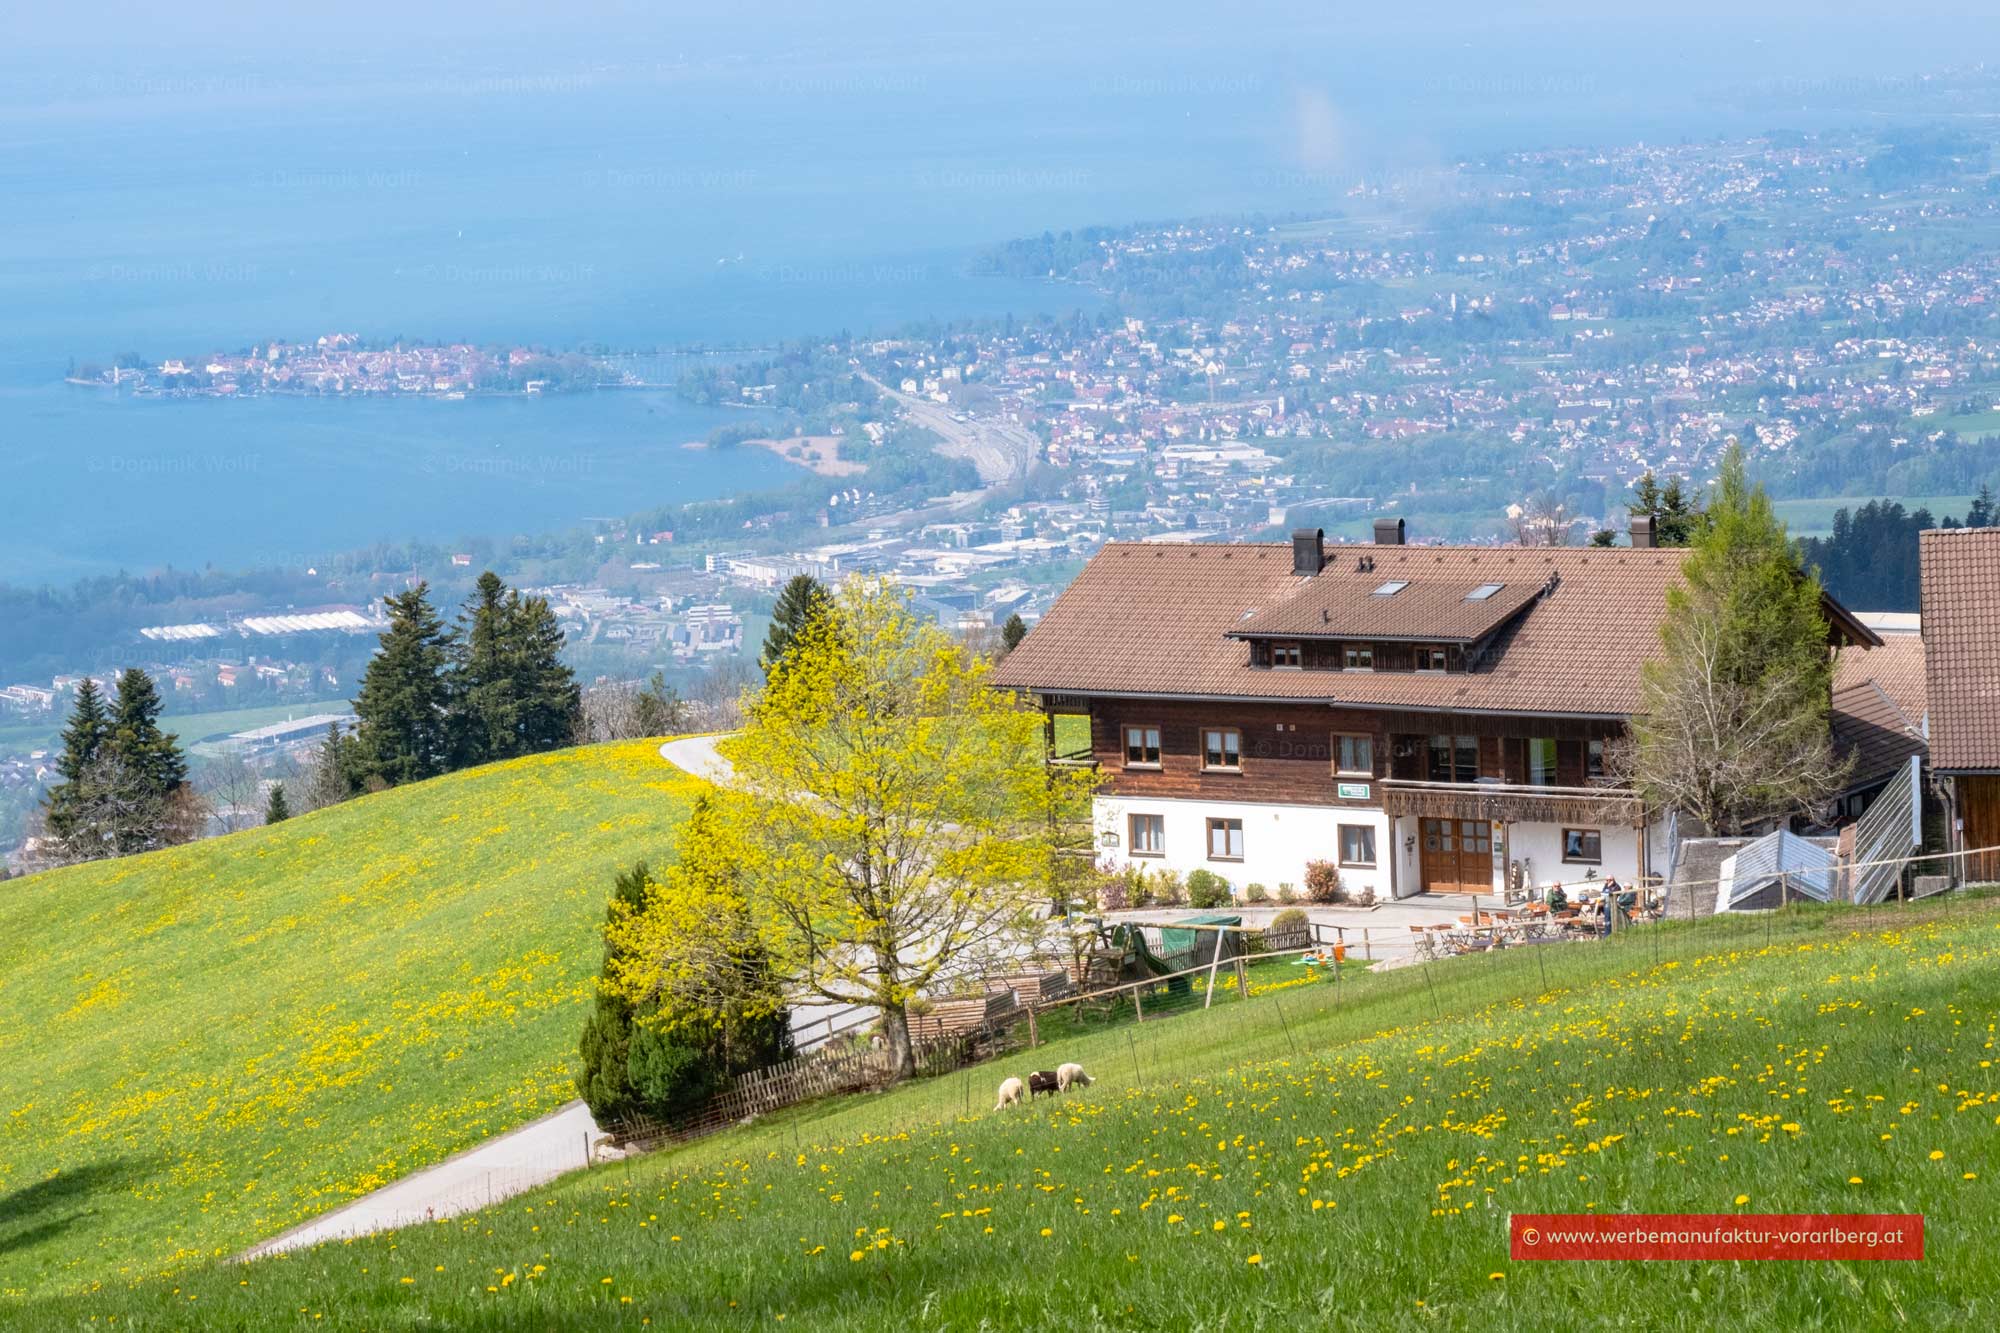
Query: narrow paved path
x=497 y=1169
x=698 y=755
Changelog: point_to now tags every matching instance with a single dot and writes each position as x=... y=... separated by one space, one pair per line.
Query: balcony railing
x=1507 y=802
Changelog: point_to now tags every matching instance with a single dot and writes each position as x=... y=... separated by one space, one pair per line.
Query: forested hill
x=1869 y=561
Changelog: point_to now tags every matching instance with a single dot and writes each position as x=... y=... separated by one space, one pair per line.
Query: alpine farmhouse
x=1431 y=718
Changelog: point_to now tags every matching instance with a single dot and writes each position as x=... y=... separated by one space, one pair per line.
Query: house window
x=1358 y=656
x=1354 y=754
x=1287 y=655
x=1357 y=844
x=1149 y=835
x=1225 y=840
x=1593 y=763
x=1222 y=747
x=1430 y=657
x=1454 y=759
x=1583 y=846
x=1142 y=747
x=1541 y=761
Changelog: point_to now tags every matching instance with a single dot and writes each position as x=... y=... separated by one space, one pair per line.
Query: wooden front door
x=1457 y=856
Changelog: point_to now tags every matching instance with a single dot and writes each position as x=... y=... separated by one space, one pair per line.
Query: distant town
x=338 y=364
x=1501 y=351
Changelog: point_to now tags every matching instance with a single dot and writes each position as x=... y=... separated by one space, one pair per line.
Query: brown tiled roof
x=1961 y=619
x=1897 y=665
x=1153 y=619
x=1363 y=607
x=1869 y=725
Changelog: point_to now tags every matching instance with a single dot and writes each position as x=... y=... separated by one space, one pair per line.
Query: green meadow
x=206 y=1045
x=1328 y=1153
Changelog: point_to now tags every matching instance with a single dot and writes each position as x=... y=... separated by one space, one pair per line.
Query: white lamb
x=1069 y=1075
x=1010 y=1093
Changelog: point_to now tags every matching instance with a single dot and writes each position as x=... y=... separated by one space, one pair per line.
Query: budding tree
x=891 y=823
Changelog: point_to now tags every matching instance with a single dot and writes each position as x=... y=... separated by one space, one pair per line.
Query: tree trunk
x=902 y=1056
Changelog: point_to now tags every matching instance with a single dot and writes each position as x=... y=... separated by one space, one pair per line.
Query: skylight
x=1483 y=591
x=1391 y=588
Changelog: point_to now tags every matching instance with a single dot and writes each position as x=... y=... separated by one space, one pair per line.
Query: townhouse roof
x=1565 y=633
x=1960 y=570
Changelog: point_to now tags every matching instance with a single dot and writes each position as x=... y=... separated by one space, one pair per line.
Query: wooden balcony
x=1509 y=803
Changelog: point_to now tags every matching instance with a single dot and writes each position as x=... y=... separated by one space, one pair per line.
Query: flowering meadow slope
x=203 y=1046
x=1337 y=1155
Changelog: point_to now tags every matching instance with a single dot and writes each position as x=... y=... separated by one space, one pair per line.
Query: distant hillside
x=205 y=1045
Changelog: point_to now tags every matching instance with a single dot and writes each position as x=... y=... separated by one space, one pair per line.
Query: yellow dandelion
x=1742 y=1199
x=1854 y=1180
x=1495 y=1277
x=1937 y=1155
x=1254 y=1259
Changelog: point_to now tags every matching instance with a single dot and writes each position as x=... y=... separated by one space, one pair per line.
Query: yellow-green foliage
x=203 y=1046
x=891 y=815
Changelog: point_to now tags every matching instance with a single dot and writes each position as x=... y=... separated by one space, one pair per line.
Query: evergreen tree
x=276 y=811
x=549 y=702
x=329 y=782
x=1675 y=513
x=799 y=603
x=485 y=707
x=82 y=741
x=1980 y=513
x=1012 y=632
x=403 y=733
x=658 y=710
x=602 y=1079
x=153 y=756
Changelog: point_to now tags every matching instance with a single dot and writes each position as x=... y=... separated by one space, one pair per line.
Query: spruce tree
x=485 y=700
x=328 y=783
x=801 y=600
x=549 y=703
x=276 y=811
x=82 y=742
x=402 y=734
x=1012 y=632
x=152 y=755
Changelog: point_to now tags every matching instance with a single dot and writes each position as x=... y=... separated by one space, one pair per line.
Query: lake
x=703 y=182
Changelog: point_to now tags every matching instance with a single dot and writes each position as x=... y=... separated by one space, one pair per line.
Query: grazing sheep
x=1010 y=1093
x=1041 y=1081
x=1068 y=1076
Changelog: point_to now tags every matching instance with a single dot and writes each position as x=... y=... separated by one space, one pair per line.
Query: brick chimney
x=1308 y=551
x=1388 y=532
x=1642 y=532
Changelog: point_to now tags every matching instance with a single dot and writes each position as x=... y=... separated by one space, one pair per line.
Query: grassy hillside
x=203 y=1046
x=1323 y=1156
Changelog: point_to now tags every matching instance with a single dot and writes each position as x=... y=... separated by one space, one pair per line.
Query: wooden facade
x=1978 y=799
x=1288 y=751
